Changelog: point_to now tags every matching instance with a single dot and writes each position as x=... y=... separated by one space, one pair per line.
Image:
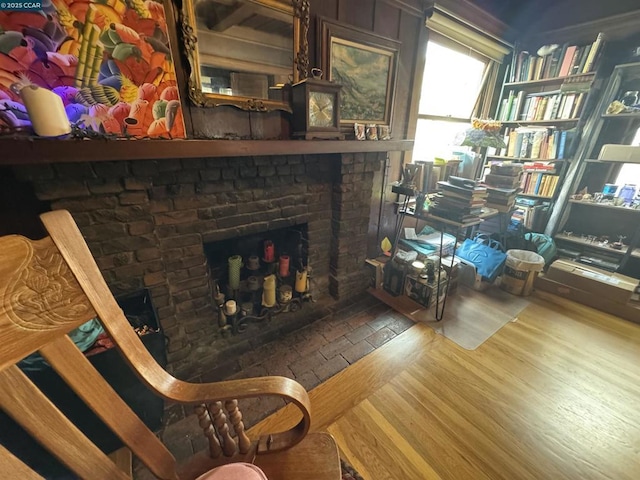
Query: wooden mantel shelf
x=39 y=151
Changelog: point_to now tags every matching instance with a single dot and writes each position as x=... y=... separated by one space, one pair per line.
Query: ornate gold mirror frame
x=298 y=9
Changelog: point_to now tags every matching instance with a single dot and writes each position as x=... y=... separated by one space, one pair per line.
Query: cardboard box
x=600 y=283
x=629 y=311
x=424 y=293
x=377 y=265
x=619 y=153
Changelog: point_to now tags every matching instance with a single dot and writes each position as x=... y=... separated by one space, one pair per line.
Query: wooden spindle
x=204 y=419
x=220 y=424
x=235 y=417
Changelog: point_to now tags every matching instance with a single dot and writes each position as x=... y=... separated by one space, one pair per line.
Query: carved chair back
x=51 y=286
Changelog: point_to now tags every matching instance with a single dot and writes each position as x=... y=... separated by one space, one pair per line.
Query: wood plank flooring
x=554 y=395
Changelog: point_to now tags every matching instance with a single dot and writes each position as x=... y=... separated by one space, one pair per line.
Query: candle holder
x=285 y=294
x=253 y=263
x=270 y=267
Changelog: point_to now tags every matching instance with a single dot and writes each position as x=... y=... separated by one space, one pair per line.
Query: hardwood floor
x=553 y=395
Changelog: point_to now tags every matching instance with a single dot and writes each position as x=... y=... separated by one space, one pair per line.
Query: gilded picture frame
x=299 y=11
x=366 y=65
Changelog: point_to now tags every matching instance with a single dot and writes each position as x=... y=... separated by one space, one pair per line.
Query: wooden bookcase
x=542 y=106
x=587 y=229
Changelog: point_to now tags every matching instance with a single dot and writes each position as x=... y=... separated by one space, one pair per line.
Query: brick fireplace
x=146 y=222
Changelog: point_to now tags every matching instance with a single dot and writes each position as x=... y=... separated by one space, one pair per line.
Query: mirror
x=243 y=52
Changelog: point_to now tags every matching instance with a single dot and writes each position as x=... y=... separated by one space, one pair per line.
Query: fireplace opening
x=259 y=275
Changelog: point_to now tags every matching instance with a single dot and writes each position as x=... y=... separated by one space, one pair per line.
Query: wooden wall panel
x=358 y=13
x=325 y=8
x=386 y=20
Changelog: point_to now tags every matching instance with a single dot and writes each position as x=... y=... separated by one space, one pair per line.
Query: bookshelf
x=563 y=61
x=585 y=242
x=543 y=104
x=587 y=212
x=557 y=121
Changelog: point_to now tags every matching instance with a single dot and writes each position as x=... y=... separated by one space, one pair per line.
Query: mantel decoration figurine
x=483 y=133
x=109 y=62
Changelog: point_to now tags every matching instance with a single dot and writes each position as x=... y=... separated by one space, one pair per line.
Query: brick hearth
x=146 y=222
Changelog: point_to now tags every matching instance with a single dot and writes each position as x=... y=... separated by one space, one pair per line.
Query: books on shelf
x=568 y=59
x=539 y=183
x=594 y=52
x=531 y=213
x=539 y=142
x=518 y=106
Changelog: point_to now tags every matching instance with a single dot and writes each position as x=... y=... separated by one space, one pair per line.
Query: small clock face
x=321 y=112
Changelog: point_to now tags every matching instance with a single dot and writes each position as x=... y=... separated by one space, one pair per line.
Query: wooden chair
x=49 y=287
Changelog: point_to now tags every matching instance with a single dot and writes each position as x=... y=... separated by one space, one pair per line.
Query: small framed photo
x=372 y=131
x=384 y=132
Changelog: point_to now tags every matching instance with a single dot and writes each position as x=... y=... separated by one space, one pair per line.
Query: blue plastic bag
x=486 y=254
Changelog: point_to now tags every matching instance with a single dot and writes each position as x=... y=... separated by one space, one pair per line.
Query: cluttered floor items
x=429 y=266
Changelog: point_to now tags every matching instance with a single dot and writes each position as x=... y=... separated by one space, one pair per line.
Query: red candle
x=269 y=251
x=284 y=266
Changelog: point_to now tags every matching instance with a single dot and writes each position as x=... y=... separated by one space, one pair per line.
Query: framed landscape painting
x=365 y=65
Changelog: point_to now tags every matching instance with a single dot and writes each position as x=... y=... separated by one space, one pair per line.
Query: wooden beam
x=236 y=17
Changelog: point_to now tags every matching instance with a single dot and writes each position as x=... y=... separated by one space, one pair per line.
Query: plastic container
x=520 y=271
x=627 y=193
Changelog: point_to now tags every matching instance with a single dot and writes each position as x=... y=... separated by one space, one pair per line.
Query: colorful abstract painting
x=109 y=61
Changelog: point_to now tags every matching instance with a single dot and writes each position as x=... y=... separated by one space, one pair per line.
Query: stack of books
x=502 y=185
x=460 y=200
x=502 y=199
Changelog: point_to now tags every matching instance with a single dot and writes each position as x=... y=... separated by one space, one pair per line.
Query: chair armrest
x=67 y=237
x=175 y=390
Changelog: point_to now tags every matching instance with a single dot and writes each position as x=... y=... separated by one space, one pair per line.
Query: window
x=452 y=81
x=630 y=172
x=460 y=74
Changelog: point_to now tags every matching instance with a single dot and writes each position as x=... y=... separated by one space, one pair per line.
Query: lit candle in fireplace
x=269 y=251
x=284 y=266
